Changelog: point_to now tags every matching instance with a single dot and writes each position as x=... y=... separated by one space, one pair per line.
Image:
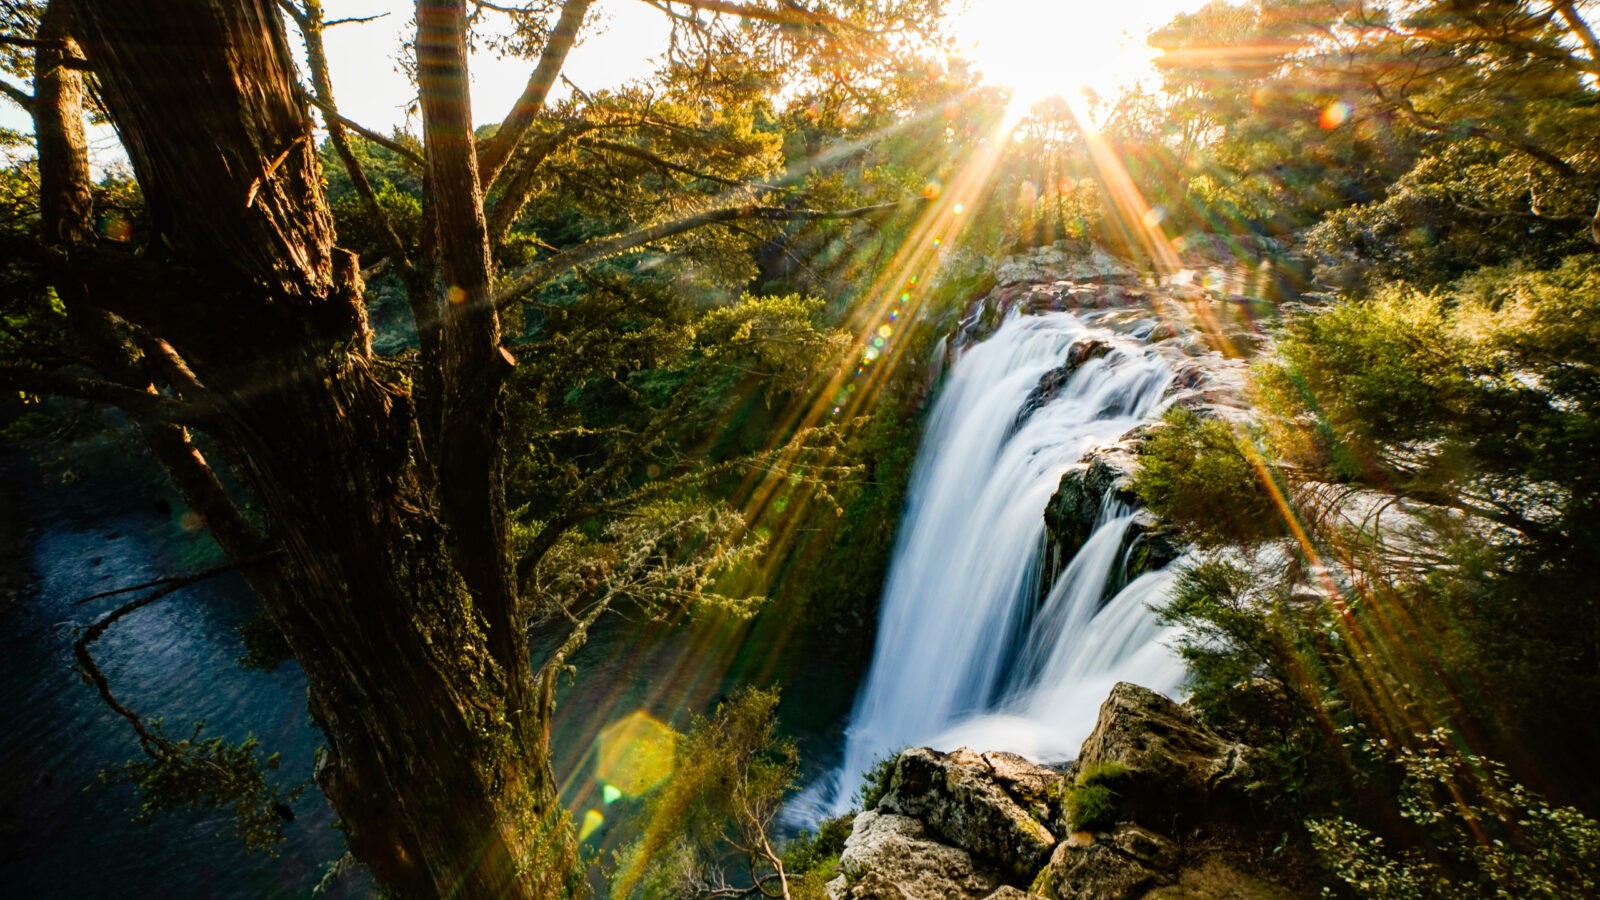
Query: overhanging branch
x=136 y=403
x=541 y=274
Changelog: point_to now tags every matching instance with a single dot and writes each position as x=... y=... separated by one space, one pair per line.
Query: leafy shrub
x=808 y=850
x=1489 y=836
x=875 y=781
x=812 y=860
x=1195 y=473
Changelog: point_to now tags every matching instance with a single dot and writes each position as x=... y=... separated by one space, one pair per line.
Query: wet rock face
x=1051 y=382
x=1079 y=500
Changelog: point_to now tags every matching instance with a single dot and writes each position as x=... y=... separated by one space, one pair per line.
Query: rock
x=1030 y=783
x=1007 y=892
x=1051 y=382
x=1215 y=879
x=1074 y=509
x=960 y=798
x=1149 y=545
x=1064 y=261
x=892 y=857
x=1123 y=865
x=1179 y=771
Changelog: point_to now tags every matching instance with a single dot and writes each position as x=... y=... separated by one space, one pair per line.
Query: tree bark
x=396 y=597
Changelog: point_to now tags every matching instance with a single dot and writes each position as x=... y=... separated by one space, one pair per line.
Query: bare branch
x=791 y=14
x=174 y=582
x=148 y=741
x=17 y=95
x=376 y=138
x=492 y=158
x=1575 y=21
x=354 y=20
x=30 y=43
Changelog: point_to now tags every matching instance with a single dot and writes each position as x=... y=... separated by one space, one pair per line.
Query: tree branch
x=472 y=363
x=644 y=155
x=1556 y=164
x=148 y=741
x=17 y=95
x=1569 y=13
x=136 y=403
x=407 y=153
x=540 y=274
x=791 y=14
x=175 y=582
x=519 y=179
x=492 y=158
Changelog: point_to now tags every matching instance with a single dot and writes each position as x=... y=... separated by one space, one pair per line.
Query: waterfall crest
x=965 y=653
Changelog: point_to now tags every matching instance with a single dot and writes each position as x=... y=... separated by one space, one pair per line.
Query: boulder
x=1122 y=865
x=892 y=857
x=964 y=800
x=1178 y=770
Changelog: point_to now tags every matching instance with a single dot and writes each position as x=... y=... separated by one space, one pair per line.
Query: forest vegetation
x=448 y=397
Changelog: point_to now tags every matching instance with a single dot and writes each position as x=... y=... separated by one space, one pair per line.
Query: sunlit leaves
x=662 y=556
x=211 y=773
x=1493 y=836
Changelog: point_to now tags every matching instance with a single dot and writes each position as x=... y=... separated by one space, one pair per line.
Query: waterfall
x=966 y=655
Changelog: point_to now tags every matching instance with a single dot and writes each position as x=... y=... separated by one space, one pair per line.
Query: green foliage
x=1382 y=378
x=1195 y=473
x=731 y=772
x=666 y=556
x=1482 y=399
x=812 y=860
x=1233 y=632
x=265 y=647
x=876 y=781
x=808 y=850
x=360 y=231
x=1091 y=800
x=1485 y=835
x=211 y=773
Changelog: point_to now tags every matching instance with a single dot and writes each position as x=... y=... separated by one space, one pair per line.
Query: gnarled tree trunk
x=394 y=587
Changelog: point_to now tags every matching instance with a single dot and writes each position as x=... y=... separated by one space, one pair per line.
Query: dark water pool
x=64 y=834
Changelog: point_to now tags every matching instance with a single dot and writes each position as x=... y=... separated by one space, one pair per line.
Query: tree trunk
x=416 y=660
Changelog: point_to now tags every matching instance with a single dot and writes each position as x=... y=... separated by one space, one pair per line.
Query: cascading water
x=965 y=654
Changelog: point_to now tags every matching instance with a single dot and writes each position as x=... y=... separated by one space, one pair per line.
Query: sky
x=1038 y=47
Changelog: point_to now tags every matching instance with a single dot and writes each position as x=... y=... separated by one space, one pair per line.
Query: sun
x=1062 y=48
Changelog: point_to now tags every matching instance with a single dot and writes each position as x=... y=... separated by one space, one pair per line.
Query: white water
x=965 y=656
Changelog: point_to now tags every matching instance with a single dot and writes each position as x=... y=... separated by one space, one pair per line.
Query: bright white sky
x=1038 y=47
